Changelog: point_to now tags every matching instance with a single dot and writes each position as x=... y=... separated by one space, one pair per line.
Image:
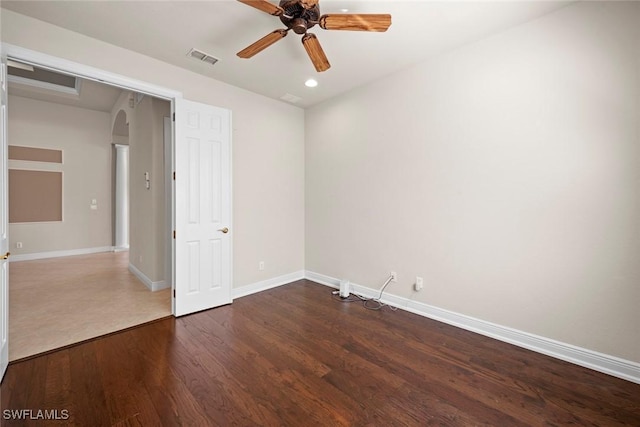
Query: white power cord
x=366 y=300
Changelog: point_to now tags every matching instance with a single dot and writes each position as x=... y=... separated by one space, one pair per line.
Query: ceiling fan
x=301 y=15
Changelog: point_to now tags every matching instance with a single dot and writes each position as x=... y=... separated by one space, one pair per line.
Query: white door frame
x=53 y=63
x=4 y=222
x=43 y=60
x=169 y=264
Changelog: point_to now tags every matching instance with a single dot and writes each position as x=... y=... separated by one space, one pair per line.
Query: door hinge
x=174 y=293
x=174 y=234
x=174 y=176
x=174 y=117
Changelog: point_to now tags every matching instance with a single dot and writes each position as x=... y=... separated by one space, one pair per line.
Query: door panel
x=203 y=207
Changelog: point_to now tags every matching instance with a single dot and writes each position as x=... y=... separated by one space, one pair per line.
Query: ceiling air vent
x=290 y=98
x=201 y=56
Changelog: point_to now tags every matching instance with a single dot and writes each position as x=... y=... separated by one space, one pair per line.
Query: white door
x=4 y=244
x=202 y=207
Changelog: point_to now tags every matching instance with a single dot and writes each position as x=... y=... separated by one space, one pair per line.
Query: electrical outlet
x=19 y=245
x=419 y=283
x=261 y=265
x=394 y=276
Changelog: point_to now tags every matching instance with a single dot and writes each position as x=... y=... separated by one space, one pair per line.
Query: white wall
x=84 y=137
x=268 y=145
x=147 y=206
x=505 y=173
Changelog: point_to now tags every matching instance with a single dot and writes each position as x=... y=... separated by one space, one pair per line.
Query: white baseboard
x=153 y=286
x=56 y=254
x=263 y=285
x=322 y=279
x=605 y=363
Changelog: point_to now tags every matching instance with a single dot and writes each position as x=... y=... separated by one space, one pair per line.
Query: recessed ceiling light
x=311 y=83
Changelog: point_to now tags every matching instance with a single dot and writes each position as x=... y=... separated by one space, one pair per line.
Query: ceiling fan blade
x=262 y=44
x=313 y=48
x=264 y=6
x=355 y=22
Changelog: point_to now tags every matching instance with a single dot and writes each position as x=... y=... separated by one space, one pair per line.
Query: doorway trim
x=54 y=63
x=169 y=189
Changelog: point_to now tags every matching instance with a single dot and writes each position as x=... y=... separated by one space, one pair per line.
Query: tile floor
x=59 y=301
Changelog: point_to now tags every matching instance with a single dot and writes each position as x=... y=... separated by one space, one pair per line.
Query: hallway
x=59 y=301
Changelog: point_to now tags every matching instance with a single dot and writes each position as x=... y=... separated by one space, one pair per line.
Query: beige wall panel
x=34 y=154
x=35 y=196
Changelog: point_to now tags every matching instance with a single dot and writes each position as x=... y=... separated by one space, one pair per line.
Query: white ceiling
x=167 y=30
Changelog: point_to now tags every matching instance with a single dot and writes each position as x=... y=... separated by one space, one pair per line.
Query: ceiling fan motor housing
x=300 y=16
x=297 y=17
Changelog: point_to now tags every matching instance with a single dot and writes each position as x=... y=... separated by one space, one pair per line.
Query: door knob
x=5 y=256
x=224 y=230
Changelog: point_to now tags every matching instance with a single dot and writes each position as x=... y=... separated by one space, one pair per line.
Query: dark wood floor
x=293 y=356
